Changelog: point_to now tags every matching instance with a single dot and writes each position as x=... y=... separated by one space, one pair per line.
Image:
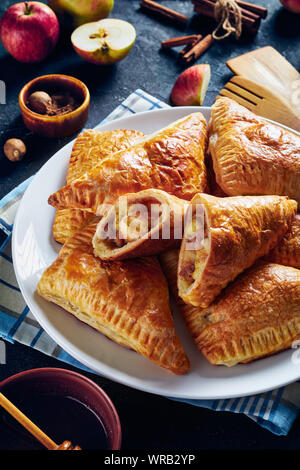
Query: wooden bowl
x=55 y=126
x=65 y=383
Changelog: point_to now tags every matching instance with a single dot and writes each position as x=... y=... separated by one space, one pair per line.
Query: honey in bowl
x=60 y=417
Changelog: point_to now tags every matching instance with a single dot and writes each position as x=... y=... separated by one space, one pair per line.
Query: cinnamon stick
x=248 y=9
x=257 y=9
x=207 y=8
x=188 y=47
x=174 y=42
x=167 y=13
x=247 y=23
x=212 y=3
x=196 y=51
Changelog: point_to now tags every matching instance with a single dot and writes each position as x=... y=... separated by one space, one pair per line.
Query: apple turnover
x=90 y=148
x=251 y=155
x=193 y=317
x=228 y=236
x=256 y=316
x=287 y=252
x=127 y=301
x=172 y=159
x=140 y=224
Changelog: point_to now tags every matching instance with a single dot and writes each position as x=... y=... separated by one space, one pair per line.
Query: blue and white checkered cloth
x=275 y=410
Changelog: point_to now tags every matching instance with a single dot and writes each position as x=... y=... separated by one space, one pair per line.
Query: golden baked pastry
x=69 y=221
x=256 y=316
x=225 y=238
x=192 y=316
x=127 y=301
x=140 y=224
x=90 y=148
x=287 y=252
x=251 y=155
x=172 y=159
x=214 y=188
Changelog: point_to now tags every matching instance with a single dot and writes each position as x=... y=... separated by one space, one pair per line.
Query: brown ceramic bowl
x=55 y=126
x=66 y=383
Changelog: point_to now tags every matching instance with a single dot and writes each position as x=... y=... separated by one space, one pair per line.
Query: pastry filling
x=132 y=221
x=196 y=252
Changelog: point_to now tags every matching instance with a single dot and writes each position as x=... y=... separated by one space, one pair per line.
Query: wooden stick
x=198 y=49
x=165 y=12
x=174 y=42
x=29 y=425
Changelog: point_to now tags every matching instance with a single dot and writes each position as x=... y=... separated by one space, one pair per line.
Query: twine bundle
x=229 y=17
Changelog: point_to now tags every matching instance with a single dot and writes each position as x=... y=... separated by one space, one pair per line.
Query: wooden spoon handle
x=29 y=425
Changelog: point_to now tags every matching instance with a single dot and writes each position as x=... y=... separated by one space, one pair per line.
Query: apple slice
x=105 y=41
x=292 y=5
x=191 y=85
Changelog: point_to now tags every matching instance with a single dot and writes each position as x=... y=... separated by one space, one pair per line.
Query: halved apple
x=105 y=41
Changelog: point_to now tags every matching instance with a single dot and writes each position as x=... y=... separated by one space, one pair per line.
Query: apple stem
x=27 y=9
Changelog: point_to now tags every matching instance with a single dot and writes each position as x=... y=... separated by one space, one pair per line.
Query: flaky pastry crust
x=237 y=231
x=251 y=155
x=193 y=317
x=172 y=159
x=126 y=300
x=287 y=252
x=255 y=316
x=89 y=149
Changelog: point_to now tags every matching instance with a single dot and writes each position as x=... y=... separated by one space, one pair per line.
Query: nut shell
x=40 y=102
x=14 y=149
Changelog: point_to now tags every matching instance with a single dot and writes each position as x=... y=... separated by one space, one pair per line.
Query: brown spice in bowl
x=56 y=104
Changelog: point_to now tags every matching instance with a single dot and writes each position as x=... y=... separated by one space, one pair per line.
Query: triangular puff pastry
x=287 y=252
x=256 y=316
x=89 y=149
x=127 y=301
x=140 y=224
x=234 y=232
x=250 y=155
x=193 y=316
x=172 y=159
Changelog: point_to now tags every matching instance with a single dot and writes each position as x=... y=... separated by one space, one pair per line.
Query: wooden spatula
x=269 y=68
x=261 y=101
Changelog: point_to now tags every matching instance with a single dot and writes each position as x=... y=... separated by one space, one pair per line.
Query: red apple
x=292 y=5
x=29 y=31
x=190 y=87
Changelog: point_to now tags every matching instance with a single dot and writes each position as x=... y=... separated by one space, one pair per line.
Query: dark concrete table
x=148 y=421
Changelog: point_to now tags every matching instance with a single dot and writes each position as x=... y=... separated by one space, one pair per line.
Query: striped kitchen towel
x=275 y=410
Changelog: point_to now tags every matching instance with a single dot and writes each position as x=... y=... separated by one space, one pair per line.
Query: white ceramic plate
x=34 y=249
